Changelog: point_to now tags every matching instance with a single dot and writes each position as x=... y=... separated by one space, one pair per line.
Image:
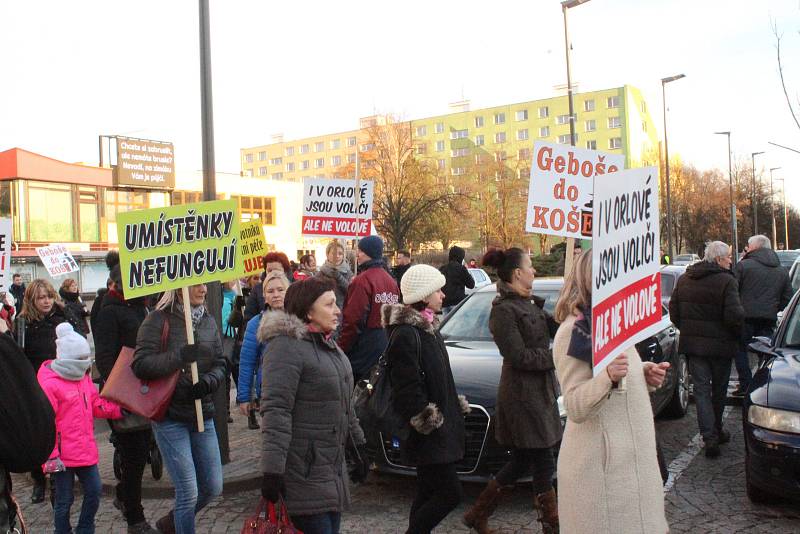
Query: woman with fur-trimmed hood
x=424 y=394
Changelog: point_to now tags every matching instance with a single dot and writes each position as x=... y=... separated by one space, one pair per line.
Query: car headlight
x=773 y=419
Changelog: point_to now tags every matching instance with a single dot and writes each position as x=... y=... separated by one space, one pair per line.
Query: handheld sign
x=626 y=277
x=57 y=260
x=253 y=246
x=176 y=247
x=329 y=209
x=5 y=255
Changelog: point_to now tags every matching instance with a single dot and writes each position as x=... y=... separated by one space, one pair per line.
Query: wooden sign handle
x=187 y=318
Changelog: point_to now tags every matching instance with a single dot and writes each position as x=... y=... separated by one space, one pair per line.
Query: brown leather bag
x=148 y=398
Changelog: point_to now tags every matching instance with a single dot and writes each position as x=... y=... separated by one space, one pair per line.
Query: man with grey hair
x=764 y=289
x=709 y=335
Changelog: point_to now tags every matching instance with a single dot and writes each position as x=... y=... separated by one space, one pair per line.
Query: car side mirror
x=763 y=347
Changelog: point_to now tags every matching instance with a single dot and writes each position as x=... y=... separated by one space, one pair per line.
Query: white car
x=686 y=259
x=481 y=279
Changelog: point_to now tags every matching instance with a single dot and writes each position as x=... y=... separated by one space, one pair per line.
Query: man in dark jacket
x=765 y=289
x=402 y=264
x=17 y=289
x=458 y=279
x=363 y=338
x=705 y=307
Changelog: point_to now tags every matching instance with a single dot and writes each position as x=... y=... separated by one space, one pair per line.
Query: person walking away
x=608 y=477
x=97 y=305
x=68 y=385
x=424 y=394
x=273 y=261
x=363 y=338
x=458 y=279
x=705 y=307
x=252 y=353
x=526 y=417
x=71 y=297
x=41 y=312
x=192 y=458
x=402 y=263
x=336 y=270
x=764 y=289
x=118 y=323
x=307 y=268
x=306 y=386
x=17 y=288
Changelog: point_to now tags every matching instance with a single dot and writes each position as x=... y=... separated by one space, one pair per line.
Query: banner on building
x=560 y=190
x=144 y=164
x=178 y=246
x=626 y=277
x=331 y=207
x=253 y=246
x=5 y=254
x=57 y=260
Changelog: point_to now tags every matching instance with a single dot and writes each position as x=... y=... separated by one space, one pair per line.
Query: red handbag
x=148 y=398
x=271 y=522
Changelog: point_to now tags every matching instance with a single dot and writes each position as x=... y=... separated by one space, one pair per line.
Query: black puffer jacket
x=764 y=286
x=117 y=325
x=149 y=363
x=457 y=277
x=40 y=336
x=411 y=394
x=74 y=304
x=706 y=309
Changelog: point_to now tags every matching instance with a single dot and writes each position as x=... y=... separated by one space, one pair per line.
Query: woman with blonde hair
x=337 y=270
x=608 y=475
x=71 y=297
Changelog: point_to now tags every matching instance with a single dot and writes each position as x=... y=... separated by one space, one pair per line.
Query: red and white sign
x=332 y=208
x=626 y=277
x=560 y=190
x=57 y=260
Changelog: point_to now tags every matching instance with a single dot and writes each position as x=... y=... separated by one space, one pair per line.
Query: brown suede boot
x=546 y=505
x=477 y=517
x=166 y=525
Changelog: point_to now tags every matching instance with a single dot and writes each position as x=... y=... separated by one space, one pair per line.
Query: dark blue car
x=771 y=414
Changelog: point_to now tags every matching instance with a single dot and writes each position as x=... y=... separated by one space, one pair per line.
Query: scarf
x=428 y=315
x=197 y=313
x=580 y=342
x=371 y=263
x=73 y=370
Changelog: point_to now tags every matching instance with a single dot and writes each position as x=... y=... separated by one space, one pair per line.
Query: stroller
x=153 y=458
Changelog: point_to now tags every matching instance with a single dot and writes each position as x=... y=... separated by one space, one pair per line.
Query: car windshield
x=477 y=275
x=796 y=278
x=787 y=257
x=685 y=257
x=792 y=337
x=667 y=284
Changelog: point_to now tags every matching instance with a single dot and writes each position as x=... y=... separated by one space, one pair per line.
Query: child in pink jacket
x=76 y=403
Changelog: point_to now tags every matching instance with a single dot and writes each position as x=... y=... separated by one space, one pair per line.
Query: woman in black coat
x=424 y=394
x=72 y=301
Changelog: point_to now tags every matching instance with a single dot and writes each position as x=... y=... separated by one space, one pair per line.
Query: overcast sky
x=70 y=71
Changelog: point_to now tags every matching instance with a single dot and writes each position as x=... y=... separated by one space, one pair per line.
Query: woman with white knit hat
x=424 y=394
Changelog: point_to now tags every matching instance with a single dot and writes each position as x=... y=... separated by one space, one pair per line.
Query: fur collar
x=279 y=323
x=397 y=314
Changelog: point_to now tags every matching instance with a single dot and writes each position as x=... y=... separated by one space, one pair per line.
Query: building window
x=262 y=171
x=479 y=140
x=544 y=112
x=277 y=176
x=615 y=142
x=289 y=151
x=613 y=122
x=351 y=158
x=276 y=161
x=591 y=145
x=522 y=135
x=177 y=198
x=367 y=147
x=591 y=125
x=248 y=158
x=458 y=171
x=335 y=144
x=500 y=137
x=562 y=119
x=304 y=149
x=524 y=154
x=319 y=163
x=422 y=148
x=459 y=134
x=480 y=159
x=459 y=152
x=422 y=131
x=121 y=201
x=500 y=156
x=499 y=118
x=479 y=122
x=544 y=131
x=251 y=208
x=336 y=161
x=612 y=102
x=351 y=141
x=289 y=167
x=564 y=139
x=524 y=173
x=262 y=155
x=319 y=146
x=644 y=107
x=441 y=163
x=50 y=209
x=439 y=146
x=521 y=115
x=644 y=126
x=305 y=165
x=439 y=127
x=588 y=105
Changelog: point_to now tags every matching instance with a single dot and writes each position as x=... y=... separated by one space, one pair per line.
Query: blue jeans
x=92 y=487
x=752 y=328
x=324 y=523
x=193 y=463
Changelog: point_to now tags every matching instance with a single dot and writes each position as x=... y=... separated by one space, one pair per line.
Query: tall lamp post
x=755 y=206
x=566 y=5
x=772 y=207
x=664 y=82
x=734 y=235
x=785 y=216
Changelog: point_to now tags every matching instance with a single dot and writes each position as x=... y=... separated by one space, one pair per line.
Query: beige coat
x=608 y=476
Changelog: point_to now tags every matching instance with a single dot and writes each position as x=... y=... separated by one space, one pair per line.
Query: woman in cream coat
x=608 y=476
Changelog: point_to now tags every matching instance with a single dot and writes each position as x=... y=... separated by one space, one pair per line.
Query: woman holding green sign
x=192 y=458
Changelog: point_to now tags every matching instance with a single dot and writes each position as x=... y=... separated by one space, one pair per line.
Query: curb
x=229 y=486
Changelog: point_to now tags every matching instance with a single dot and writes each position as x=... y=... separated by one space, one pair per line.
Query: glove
x=273 y=486
x=188 y=354
x=361 y=467
x=201 y=389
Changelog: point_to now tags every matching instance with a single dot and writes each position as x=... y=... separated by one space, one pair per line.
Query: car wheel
x=679 y=402
x=754 y=493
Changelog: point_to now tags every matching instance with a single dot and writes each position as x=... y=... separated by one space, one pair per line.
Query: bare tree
x=778 y=37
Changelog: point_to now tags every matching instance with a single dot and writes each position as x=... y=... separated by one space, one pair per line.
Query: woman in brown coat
x=526 y=415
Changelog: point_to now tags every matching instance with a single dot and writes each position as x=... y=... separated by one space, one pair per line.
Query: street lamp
x=772 y=207
x=734 y=235
x=785 y=216
x=664 y=82
x=755 y=207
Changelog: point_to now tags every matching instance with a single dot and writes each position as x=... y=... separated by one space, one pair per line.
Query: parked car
x=481 y=279
x=794 y=275
x=686 y=259
x=771 y=413
x=669 y=279
x=476 y=364
x=787 y=257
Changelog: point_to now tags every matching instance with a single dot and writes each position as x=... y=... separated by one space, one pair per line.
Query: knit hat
x=69 y=344
x=372 y=246
x=419 y=282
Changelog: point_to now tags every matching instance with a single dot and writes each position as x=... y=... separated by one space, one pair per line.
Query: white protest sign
x=57 y=260
x=329 y=209
x=5 y=254
x=560 y=190
x=626 y=277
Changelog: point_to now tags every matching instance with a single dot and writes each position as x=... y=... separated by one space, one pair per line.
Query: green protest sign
x=178 y=246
